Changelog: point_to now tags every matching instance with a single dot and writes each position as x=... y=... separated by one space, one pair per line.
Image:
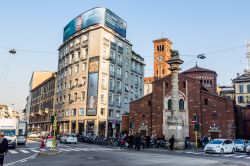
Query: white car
x=240 y=145
x=33 y=135
x=21 y=140
x=68 y=138
x=220 y=146
x=248 y=147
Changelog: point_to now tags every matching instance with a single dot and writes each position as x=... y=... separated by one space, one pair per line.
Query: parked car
x=21 y=140
x=68 y=138
x=248 y=147
x=220 y=146
x=33 y=135
x=240 y=144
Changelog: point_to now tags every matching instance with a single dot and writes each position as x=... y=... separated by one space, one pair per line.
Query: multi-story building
x=94 y=85
x=42 y=104
x=7 y=112
x=242 y=84
x=226 y=91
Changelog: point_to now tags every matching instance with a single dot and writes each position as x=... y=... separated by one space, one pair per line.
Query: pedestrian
x=138 y=142
x=171 y=141
x=148 y=141
x=205 y=140
x=3 y=147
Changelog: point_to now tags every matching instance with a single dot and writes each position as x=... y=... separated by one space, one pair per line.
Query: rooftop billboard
x=95 y=16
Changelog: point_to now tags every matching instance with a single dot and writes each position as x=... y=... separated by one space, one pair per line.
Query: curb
x=50 y=153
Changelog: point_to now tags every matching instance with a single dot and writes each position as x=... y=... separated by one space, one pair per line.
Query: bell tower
x=162 y=54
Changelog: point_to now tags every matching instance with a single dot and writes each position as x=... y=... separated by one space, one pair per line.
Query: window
x=181 y=104
x=84 y=66
x=112 y=70
x=127 y=62
x=112 y=55
x=81 y=112
x=127 y=49
x=143 y=116
x=67 y=112
x=206 y=101
x=111 y=98
x=103 y=97
x=118 y=100
x=126 y=100
x=82 y=95
x=69 y=97
x=74 y=112
x=119 y=57
x=119 y=71
x=162 y=71
x=169 y=104
x=240 y=99
x=184 y=84
x=118 y=114
x=119 y=85
x=214 y=116
x=69 y=84
x=111 y=113
x=162 y=47
x=75 y=96
x=111 y=84
x=126 y=75
x=102 y=111
x=248 y=88
x=241 y=88
x=76 y=68
x=70 y=71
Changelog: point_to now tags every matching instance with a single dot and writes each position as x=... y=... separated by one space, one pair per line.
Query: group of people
x=3 y=147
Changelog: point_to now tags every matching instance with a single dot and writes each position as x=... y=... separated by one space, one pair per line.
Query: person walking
x=148 y=141
x=171 y=141
x=3 y=147
x=138 y=142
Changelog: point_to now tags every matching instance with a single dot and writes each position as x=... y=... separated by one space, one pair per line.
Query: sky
x=210 y=26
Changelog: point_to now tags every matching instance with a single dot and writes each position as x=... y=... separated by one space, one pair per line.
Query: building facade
x=215 y=113
x=7 y=112
x=42 y=105
x=98 y=74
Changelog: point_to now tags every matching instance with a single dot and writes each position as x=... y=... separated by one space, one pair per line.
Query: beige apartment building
x=98 y=75
x=42 y=97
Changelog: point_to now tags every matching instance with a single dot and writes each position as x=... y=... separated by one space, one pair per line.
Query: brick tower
x=162 y=54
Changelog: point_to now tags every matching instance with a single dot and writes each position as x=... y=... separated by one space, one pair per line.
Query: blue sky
x=193 y=26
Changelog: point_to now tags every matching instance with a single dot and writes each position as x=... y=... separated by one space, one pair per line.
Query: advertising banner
x=92 y=97
x=95 y=16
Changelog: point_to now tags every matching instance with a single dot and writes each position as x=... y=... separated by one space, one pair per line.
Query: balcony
x=77 y=46
x=85 y=43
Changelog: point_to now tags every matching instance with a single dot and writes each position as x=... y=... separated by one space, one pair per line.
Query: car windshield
x=215 y=141
x=71 y=135
x=238 y=141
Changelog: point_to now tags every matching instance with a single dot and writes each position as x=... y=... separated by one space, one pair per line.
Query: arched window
x=162 y=47
x=181 y=104
x=166 y=85
x=206 y=101
x=158 y=48
x=184 y=84
x=169 y=104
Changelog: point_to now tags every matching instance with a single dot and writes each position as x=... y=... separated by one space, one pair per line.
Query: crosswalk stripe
x=247 y=157
x=24 y=151
x=240 y=156
x=67 y=150
x=34 y=150
x=43 y=150
x=229 y=155
x=13 y=151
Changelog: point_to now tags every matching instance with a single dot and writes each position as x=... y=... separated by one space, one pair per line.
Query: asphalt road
x=91 y=155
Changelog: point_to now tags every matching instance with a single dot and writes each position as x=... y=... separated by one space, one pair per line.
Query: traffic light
x=52 y=118
x=196 y=126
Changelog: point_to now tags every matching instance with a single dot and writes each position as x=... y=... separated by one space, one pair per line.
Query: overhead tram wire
x=31 y=51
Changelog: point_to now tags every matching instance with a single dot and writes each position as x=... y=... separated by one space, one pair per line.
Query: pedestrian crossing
x=26 y=151
x=235 y=155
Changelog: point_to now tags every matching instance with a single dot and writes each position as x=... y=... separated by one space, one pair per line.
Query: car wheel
x=222 y=151
x=233 y=151
x=248 y=153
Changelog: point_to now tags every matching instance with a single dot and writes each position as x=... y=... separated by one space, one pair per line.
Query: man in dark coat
x=3 y=147
x=138 y=142
x=171 y=141
x=148 y=141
